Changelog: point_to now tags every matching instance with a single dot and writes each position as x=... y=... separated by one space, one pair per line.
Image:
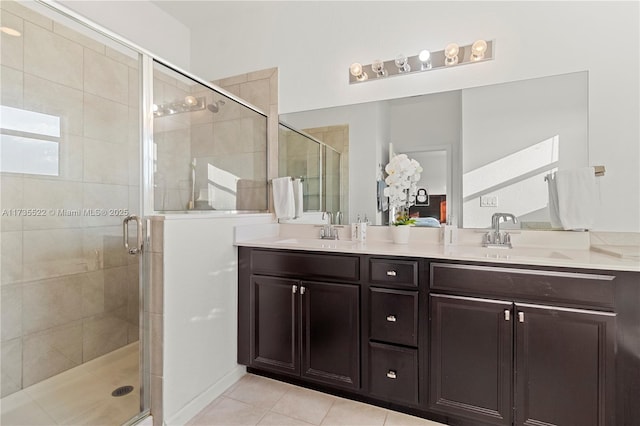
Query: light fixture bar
x=415 y=65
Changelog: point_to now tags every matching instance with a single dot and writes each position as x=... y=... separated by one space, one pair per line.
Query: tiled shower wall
x=69 y=292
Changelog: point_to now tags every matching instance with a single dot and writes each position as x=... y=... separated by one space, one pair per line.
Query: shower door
x=69 y=174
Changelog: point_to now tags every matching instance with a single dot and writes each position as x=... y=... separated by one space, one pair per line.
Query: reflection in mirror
x=320 y=164
x=210 y=151
x=500 y=141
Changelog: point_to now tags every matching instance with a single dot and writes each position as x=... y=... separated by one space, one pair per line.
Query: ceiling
x=190 y=13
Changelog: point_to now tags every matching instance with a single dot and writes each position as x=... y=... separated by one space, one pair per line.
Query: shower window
x=210 y=151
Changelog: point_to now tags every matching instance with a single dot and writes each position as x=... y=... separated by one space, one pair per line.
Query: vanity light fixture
x=478 y=49
x=188 y=104
x=377 y=67
x=356 y=70
x=451 y=53
x=402 y=62
x=426 y=60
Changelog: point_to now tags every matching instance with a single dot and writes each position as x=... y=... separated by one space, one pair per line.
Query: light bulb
x=155 y=108
x=10 y=31
x=425 y=59
x=191 y=100
x=451 y=54
x=478 y=49
x=377 y=67
x=402 y=63
x=356 y=70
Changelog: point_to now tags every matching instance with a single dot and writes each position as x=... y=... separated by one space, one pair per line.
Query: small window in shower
x=29 y=142
x=210 y=150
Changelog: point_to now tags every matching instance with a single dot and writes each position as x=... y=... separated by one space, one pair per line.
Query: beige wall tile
x=103 y=248
x=71 y=157
x=157 y=344
x=156 y=400
x=11 y=86
x=105 y=162
x=231 y=81
x=50 y=303
x=93 y=294
x=11 y=314
x=156 y=279
x=11 y=53
x=106 y=77
x=51 y=352
x=48 y=97
x=133 y=294
x=27 y=14
x=107 y=198
x=52 y=57
x=76 y=37
x=53 y=252
x=11 y=257
x=64 y=197
x=11 y=368
x=125 y=56
x=134 y=87
x=103 y=334
x=116 y=285
x=261 y=74
x=11 y=197
x=105 y=119
x=257 y=93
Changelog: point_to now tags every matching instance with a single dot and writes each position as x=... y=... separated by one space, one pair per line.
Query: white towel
x=298 y=197
x=577 y=198
x=283 y=201
x=554 y=209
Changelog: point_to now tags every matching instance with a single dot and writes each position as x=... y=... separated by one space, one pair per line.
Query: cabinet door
x=331 y=333
x=471 y=358
x=275 y=324
x=565 y=366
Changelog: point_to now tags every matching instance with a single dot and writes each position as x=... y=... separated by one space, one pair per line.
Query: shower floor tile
x=80 y=396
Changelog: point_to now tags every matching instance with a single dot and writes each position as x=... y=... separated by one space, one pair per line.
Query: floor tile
x=304 y=404
x=20 y=409
x=275 y=419
x=345 y=412
x=400 y=419
x=259 y=391
x=228 y=412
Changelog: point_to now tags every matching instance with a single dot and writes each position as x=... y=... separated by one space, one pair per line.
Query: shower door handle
x=125 y=234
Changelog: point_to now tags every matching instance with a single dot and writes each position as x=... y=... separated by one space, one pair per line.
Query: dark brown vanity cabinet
x=304 y=328
x=506 y=362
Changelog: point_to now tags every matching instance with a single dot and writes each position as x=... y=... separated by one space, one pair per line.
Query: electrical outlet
x=489 y=201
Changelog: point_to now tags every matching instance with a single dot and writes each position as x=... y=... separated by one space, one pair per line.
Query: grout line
x=327 y=413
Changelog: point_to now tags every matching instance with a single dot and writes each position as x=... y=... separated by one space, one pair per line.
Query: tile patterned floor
x=256 y=400
x=80 y=396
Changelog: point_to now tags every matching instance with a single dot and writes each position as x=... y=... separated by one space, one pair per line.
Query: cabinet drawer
x=399 y=272
x=394 y=316
x=393 y=373
x=305 y=265
x=569 y=288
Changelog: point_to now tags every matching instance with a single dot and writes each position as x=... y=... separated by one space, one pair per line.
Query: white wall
x=200 y=312
x=313 y=43
x=142 y=23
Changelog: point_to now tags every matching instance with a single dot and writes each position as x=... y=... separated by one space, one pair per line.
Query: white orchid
x=402 y=182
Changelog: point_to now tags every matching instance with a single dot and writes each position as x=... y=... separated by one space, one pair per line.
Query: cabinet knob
x=391 y=374
x=507 y=315
x=303 y=290
x=391 y=273
x=294 y=289
x=391 y=318
x=521 y=316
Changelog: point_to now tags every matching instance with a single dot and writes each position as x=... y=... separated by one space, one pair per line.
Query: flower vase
x=400 y=234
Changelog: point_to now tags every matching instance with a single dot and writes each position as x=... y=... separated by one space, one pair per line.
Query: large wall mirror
x=484 y=149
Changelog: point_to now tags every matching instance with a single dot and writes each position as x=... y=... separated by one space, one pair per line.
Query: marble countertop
x=586 y=258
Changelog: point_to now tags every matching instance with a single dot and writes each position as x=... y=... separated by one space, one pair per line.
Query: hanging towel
x=577 y=198
x=554 y=210
x=283 y=200
x=298 y=197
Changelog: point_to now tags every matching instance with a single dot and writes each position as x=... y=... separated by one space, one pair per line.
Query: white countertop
x=558 y=257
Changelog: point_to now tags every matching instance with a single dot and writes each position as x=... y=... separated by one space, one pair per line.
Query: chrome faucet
x=495 y=238
x=328 y=231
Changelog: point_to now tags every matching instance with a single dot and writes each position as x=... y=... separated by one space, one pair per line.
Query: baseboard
x=197 y=404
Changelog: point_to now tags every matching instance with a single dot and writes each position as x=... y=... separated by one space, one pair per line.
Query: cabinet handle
x=391 y=318
x=521 y=316
x=303 y=290
x=294 y=289
x=391 y=273
x=507 y=315
x=392 y=374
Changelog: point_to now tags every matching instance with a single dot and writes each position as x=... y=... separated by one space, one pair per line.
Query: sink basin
x=514 y=253
x=317 y=243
